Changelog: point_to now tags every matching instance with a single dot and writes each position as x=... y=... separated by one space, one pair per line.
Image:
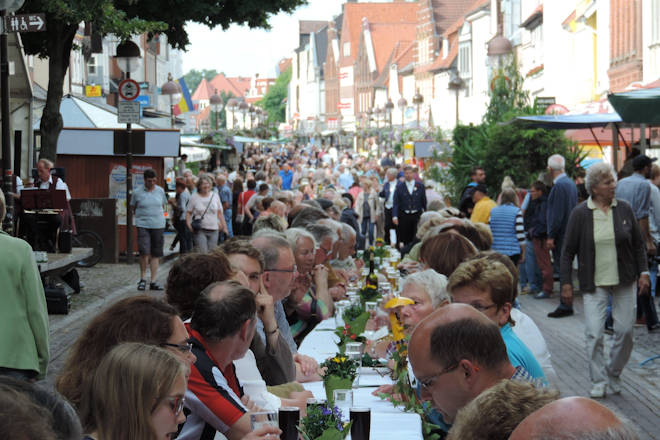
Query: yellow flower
x=343 y=359
x=335 y=359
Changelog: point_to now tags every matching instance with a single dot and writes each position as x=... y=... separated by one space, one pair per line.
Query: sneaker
x=525 y=290
x=155 y=286
x=142 y=284
x=598 y=391
x=543 y=295
x=615 y=384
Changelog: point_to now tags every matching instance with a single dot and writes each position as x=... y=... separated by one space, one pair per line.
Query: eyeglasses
x=428 y=382
x=325 y=251
x=185 y=348
x=292 y=270
x=483 y=308
x=176 y=403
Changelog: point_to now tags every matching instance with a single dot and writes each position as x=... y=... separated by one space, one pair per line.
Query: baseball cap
x=641 y=161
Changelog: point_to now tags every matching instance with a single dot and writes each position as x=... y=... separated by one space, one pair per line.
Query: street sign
x=93 y=91
x=129 y=89
x=128 y=112
x=144 y=100
x=25 y=23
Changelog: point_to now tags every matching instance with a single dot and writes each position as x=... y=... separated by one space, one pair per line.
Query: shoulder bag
x=196 y=223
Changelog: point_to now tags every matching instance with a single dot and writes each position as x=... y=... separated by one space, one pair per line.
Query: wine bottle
x=372 y=278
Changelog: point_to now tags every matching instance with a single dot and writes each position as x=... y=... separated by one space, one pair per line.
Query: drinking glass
x=361 y=418
x=344 y=401
x=289 y=418
x=339 y=314
x=264 y=418
x=371 y=306
x=354 y=351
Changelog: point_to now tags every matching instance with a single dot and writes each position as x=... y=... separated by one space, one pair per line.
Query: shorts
x=150 y=241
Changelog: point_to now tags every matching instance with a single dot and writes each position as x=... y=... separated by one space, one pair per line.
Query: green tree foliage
x=503 y=148
x=273 y=102
x=124 y=18
x=194 y=77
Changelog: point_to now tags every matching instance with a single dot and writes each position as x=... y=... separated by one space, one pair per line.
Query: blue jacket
x=404 y=201
x=561 y=201
x=536 y=218
x=503 y=228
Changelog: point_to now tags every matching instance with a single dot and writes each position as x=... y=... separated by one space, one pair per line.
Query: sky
x=243 y=51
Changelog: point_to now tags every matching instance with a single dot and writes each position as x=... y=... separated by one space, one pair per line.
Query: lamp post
x=243 y=108
x=402 y=104
x=499 y=47
x=418 y=100
x=216 y=105
x=253 y=112
x=6 y=6
x=171 y=89
x=455 y=84
x=129 y=60
x=232 y=106
x=389 y=106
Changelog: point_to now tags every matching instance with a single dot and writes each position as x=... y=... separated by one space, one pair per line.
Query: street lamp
x=216 y=105
x=418 y=99
x=6 y=6
x=389 y=106
x=499 y=48
x=402 y=104
x=253 y=113
x=129 y=60
x=455 y=83
x=232 y=106
x=171 y=89
x=243 y=108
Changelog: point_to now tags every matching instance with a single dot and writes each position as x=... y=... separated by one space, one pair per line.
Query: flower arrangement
x=323 y=423
x=347 y=334
x=368 y=293
x=380 y=250
x=339 y=372
x=357 y=317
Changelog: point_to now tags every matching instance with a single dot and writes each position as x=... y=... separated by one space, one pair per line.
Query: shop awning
x=187 y=141
x=196 y=154
x=638 y=106
x=244 y=139
x=567 y=122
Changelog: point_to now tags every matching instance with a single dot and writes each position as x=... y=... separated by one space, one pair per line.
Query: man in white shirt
x=388 y=195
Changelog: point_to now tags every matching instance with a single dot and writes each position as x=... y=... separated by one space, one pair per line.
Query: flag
x=185 y=104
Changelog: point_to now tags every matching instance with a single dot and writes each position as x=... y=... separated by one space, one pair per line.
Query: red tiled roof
x=446 y=12
x=402 y=12
x=385 y=38
x=237 y=86
x=203 y=91
x=538 y=10
x=203 y=115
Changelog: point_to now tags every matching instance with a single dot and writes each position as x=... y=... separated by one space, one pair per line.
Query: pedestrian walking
x=204 y=216
x=409 y=202
x=147 y=204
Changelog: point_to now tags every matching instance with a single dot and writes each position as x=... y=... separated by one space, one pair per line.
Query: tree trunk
x=58 y=63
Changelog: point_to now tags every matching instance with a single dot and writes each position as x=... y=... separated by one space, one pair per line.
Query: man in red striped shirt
x=221 y=329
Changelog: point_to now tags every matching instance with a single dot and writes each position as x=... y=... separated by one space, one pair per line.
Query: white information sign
x=128 y=112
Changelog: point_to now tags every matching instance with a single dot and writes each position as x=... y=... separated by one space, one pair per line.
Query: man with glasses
x=488 y=287
x=278 y=274
x=456 y=353
x=270 y=347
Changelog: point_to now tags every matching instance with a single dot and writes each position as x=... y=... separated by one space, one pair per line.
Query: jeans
x=623 y=312
x=530 y=274
x=184 y=235
x=206 y=240
x=366 y=224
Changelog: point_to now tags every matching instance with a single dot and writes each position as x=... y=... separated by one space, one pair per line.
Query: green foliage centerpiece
x=339 y=374
x=369 y=293
x=323 y=423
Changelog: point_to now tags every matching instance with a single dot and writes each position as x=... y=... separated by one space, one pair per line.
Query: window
x=347 y=49
x=423 y=53
x=91 y=65
x=465 y=65
x=655 y=21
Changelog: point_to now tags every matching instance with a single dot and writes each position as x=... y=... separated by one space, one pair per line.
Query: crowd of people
x=266 y=251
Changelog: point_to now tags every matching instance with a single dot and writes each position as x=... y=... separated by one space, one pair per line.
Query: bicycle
x=88 y=239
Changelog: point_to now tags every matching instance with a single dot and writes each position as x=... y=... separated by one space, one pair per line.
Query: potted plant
x=323 y=423
x=339 y=372
x=347 y=334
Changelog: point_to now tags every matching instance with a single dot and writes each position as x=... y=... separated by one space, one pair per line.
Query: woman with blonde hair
x=137 y=393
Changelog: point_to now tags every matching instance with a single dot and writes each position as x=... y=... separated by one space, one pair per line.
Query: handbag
x=196 y=223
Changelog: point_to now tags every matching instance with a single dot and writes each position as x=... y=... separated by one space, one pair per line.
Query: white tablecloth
x=387 y=422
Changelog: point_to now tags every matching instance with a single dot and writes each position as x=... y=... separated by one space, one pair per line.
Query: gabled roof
x=385 y=38
x=203 y=91
x=310 y=26
x=398 y=12
x=237 y=86
x=446 y=12
x=534 y=19
x=402 y=56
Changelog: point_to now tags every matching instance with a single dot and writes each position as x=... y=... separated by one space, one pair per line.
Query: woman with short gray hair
x=605 y=235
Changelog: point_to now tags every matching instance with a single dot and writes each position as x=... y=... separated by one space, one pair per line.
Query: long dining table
x=387 y=421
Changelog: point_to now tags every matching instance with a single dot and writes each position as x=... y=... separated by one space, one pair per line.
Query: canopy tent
x=244 y=139
x=638 y=106
x=567 y=122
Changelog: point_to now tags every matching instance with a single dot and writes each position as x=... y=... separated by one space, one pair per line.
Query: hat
x=481 y=188
x=325 y=203
x=642 y=161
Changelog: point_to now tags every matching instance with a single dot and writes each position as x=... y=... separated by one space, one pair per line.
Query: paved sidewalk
x=640 y=399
